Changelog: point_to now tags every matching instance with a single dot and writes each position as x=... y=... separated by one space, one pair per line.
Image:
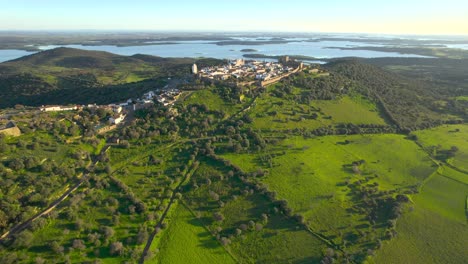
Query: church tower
x=194 y=69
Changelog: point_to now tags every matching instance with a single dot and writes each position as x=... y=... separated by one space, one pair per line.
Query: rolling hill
x=66 y=75
x=409 y=103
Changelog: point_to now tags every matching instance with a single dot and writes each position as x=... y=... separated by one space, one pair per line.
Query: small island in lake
x=249 y=50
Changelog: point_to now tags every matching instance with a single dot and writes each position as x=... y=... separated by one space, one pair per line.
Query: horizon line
x=221 y=31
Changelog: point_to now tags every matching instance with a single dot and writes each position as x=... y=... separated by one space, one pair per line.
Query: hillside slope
x=409 y=103
x=66 y=75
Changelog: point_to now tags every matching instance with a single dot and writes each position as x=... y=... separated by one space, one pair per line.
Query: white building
x=239 y=62
x=117 y=109
x=55 y=108
x=194 y=69
x=117 y=119
x=149 y=95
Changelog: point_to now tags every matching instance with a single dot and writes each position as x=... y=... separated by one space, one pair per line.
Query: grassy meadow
x=188 y=241
x=213 y=101
x=443 y=138
x=251 y=229
x=274 y=113
x=434 y=229
x=314 y=176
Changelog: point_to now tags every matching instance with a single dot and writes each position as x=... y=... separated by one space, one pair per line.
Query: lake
x=195 y=49
x=6 y=55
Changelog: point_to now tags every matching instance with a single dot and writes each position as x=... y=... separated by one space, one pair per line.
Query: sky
x=426 y=17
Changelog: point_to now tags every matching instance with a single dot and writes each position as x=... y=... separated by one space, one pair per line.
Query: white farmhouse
x=115 y=120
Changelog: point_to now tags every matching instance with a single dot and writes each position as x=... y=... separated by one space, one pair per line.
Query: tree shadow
x=200 y=222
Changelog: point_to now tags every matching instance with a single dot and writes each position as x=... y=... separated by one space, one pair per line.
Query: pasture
x=187 y=241
x=434 y=227
x=279 y=113
x=246 y=221
x=316 y=176
x=440 y=140
x=213 y=101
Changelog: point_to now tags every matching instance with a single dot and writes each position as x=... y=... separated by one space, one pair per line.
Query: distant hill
x=66 y=75
x=73 y=58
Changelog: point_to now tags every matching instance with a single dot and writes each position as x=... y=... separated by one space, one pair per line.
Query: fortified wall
x=277 y=79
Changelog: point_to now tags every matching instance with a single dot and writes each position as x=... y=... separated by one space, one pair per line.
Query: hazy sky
x=373 y=16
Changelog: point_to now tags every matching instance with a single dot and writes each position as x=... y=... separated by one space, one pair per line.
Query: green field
x=318 y=165
x=273 y=113
x=187 y=241
x=270 y=112
x=356 y=110
x=278 y=239
x=152 y=181
x=435 y=230
x=443 y=138
x=313 y=175
x=454 y=174
x=212 y=101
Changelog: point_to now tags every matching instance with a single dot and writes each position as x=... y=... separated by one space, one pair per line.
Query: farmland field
x=187 y=241
x=275 y=113
x=437 y=214
x=445 y=137
x=356 y=110
x=313 y=175
x=248 y=219
x=212 y=101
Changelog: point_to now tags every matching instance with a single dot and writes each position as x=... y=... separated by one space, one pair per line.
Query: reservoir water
x=196 y=49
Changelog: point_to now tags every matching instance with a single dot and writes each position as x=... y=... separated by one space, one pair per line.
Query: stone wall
x=105 y=129
x=277 y=79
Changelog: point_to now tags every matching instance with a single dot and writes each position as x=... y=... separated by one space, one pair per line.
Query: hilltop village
x=248 y=72
x=237 y=72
